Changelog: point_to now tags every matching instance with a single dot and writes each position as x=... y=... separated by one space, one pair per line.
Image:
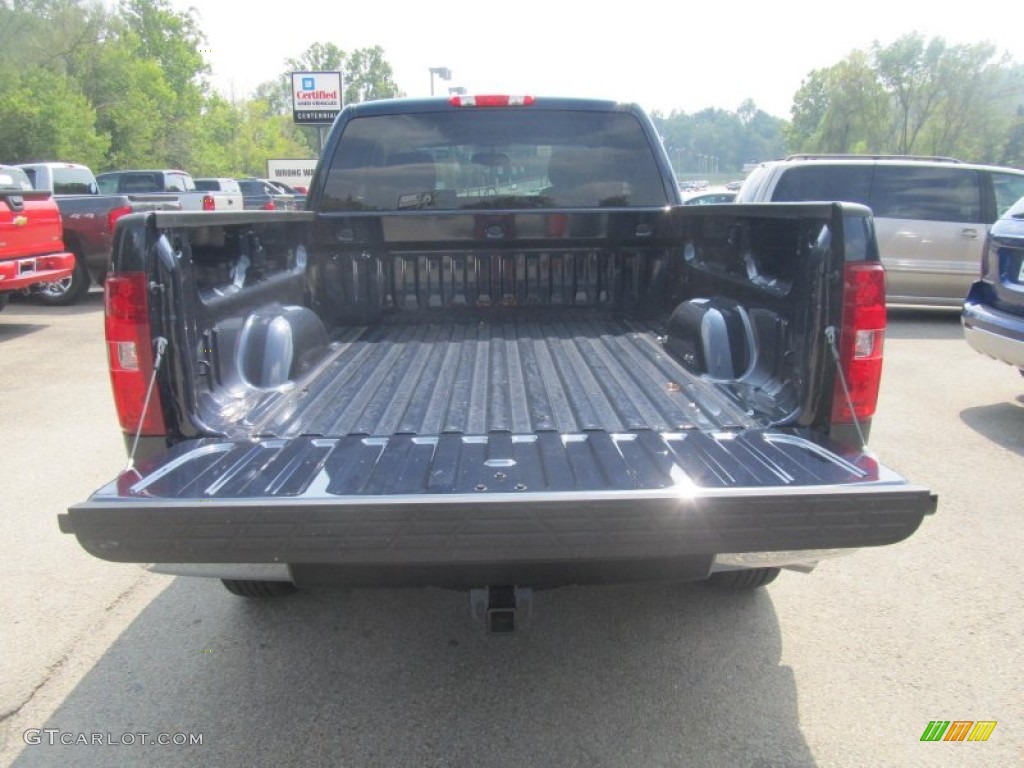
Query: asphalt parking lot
x=842 y=667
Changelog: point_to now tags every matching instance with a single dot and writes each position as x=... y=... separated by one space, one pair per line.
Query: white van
x=931 y=214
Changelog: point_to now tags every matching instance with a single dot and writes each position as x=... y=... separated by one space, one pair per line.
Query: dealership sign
x=316 y=97
x=296 y=173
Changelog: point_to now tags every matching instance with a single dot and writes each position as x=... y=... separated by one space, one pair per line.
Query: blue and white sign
x=316 y=97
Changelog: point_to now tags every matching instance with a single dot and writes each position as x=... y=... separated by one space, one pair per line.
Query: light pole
x=443 y=72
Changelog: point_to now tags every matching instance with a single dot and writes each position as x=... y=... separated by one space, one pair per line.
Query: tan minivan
x=931 y=214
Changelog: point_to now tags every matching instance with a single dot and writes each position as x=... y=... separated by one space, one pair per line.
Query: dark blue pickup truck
x=496 y=352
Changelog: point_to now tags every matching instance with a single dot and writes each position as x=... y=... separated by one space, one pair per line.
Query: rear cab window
x=130 y=182
x=493 y=158
x=176 y=183
x=73 y=181
x=14 y=180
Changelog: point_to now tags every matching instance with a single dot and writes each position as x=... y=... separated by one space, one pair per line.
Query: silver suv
x=931 y=214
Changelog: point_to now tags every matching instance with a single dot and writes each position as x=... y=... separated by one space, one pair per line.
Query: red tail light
x=860 y=341
x=116 y=214
x=491 y=100
x=209 y=204
x=269 y=206
x=130 y=352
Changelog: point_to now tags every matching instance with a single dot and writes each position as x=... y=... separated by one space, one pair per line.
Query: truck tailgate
x=29 y=225
x=493 y=498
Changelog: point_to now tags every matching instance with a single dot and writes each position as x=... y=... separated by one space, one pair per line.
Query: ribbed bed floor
x=519 y=375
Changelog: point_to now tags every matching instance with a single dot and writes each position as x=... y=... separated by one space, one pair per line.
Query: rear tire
x=259 y=589
x=748 y=578
x=67 y=291
x=5 y=298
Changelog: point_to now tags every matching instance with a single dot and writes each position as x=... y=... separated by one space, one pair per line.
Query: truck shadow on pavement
x=26 y=305
x=610 y=676
x=14 y=330
x=923 y=323
x=1002 y=423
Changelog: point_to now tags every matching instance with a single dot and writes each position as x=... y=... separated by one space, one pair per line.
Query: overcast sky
x=682 y=55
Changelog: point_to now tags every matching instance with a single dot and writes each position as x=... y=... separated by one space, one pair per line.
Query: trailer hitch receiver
x=501 y=608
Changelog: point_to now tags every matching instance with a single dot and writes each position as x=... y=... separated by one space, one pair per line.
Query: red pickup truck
x=88 y=219
x=31 y=245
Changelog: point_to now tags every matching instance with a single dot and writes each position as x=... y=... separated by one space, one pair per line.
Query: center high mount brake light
x=491 y=100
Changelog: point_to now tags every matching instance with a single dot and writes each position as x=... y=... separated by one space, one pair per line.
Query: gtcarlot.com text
x=55 y=736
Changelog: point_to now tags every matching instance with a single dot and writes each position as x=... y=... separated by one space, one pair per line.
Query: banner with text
x=295 y=173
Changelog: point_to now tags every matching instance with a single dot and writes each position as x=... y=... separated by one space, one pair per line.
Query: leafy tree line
x=716 y=141
x=127 y=86
x=915 y=96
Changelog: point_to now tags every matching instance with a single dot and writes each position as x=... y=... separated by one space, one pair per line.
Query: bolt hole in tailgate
x=382 y=391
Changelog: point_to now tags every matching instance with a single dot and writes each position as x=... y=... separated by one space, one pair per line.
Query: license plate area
x=26 y=266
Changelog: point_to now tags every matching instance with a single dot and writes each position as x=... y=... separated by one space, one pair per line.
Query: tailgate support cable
x=161 y=347
x=830 y=336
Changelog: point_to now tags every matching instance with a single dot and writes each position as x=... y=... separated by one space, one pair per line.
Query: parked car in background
x=931 y=214
x=88 y=220
x=993 y=313
x=168 y=184
x=258 y=194
x=31 y=248
x=709 y=198
x=299 y=196
x=229 y=186
x=693 y=185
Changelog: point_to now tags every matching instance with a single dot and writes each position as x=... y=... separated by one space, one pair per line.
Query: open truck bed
x=544 y=412
x=521 y=373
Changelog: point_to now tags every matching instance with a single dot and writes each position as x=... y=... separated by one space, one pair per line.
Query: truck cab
x=144 y=184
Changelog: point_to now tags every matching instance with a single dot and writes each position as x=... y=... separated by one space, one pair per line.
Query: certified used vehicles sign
x=316 y=97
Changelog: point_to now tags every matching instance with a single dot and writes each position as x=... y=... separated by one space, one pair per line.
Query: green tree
x=216 y=142
x=46 y=117
x=50 y=34
x=260 y=135
x=912 y=96
x=843 y=108
x=171 y=40
x=132 y=101
x=719 y=138
x=368 y=76
x=1013 y=152
x=908 y=70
